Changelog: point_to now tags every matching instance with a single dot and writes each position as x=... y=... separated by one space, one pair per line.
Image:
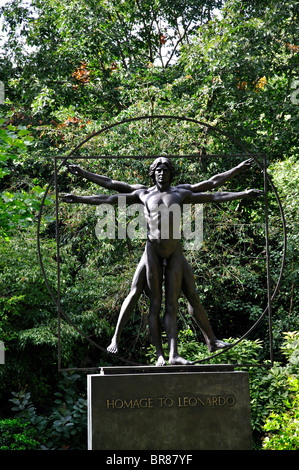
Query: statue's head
x=155 y=164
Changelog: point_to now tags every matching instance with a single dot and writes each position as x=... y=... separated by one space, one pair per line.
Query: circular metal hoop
x=52 y=180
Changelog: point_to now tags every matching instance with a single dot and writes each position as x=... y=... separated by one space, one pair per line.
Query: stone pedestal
x=169 y=408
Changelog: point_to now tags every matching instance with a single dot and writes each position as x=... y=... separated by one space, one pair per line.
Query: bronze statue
x=163 y=259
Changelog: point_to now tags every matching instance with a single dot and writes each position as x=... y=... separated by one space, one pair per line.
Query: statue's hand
x=244 y=166
x=68 y=198
x=254 y=193
x=75 y=169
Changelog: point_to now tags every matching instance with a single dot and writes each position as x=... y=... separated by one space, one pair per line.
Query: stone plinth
x=169 y=408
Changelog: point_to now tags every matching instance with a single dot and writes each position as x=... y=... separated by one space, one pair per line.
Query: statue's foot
x=178 y=360
x=113 y=347
x=217 y=344
x=160 y=361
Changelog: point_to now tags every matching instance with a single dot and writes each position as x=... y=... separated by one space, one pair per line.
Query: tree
x=242 y=68
x=19 y=201
x=75 y=46
x=73 y=67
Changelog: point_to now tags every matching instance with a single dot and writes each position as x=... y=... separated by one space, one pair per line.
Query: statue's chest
x=166 y=199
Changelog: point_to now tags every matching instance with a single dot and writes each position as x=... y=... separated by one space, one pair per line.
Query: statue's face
x=162 y=173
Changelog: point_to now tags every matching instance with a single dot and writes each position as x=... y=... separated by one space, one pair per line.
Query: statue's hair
x=156 y=163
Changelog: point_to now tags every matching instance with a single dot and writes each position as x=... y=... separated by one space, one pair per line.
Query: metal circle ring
x=213 y=129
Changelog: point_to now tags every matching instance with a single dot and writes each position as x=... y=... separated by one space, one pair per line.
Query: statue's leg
x=173 y=284
x=197 y=311
x=154 y=279
x=138 y=285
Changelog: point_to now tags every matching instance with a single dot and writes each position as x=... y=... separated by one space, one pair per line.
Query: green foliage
x=69 y=62
x=290 y=349
x=273 y=401
x=71 y=68
x=236 y=80
x=245 y=352
x=284 y=173
x=18 y=206
x=65 y=426
x=17 y=434
x=282 y=427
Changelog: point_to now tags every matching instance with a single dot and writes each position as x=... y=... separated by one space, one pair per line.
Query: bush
x=282 y=424
x=17 y=434
x=283 y=428
x=244 y=352
x=65 y=426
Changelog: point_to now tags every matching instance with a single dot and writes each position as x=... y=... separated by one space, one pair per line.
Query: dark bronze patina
x=163 y=259
x=74 y=154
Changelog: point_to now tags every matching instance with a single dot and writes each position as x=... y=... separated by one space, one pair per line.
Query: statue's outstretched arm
x=98 y=199
x=219 y=179
x=223 y=196
x=104 y=181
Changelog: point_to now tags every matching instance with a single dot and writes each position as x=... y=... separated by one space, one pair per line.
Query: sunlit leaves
x=18 y=208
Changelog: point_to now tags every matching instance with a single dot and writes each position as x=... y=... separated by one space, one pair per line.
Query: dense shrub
x=18 y=434
x=65 y=425
x=282 y=428
x=83 y=66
